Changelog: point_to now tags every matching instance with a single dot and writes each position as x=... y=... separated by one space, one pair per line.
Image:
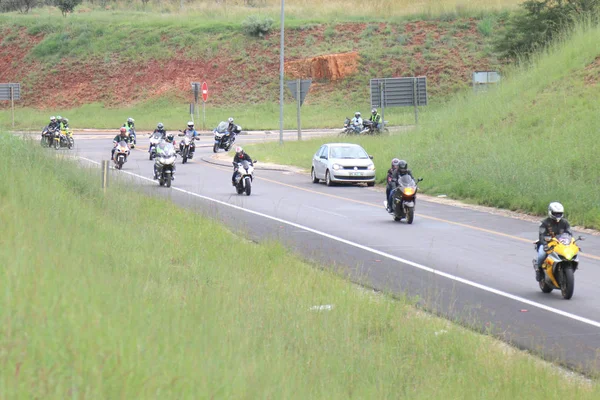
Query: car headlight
x=371 y=167
x=336 y=166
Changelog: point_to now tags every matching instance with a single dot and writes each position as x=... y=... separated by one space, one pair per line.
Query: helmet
x=59 y=118
x=190 y=124
x=357 y=114
x=170 y=137
x=123 y=131
x=395 y=163
x=402 y=166
x=53 y=118
x=66 y=121
x=556 y=211
x=230 y=120
x=374 y=111
x=130 y=119
x=160 y=126
x=239 y=150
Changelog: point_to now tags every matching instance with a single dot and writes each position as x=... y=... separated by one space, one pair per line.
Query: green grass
x=99 y=301
x=531 y=141
x=175 y=115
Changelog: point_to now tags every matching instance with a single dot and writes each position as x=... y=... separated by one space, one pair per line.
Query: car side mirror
x=371 y=157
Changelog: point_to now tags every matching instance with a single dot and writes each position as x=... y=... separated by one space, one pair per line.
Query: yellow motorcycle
x=64 y=138
x=560 y=265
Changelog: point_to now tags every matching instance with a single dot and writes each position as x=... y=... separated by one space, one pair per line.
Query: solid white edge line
x=380 y=253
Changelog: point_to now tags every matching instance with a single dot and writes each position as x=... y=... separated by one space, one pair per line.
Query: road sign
x=5 y=91
x=204 y=91
x=304 y=87
x=399 y=92
x=196 y=89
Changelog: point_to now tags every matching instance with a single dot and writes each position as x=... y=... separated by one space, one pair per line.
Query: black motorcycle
x=404 y=197
x=47 y=137
x=370 y=128
x=223 y=140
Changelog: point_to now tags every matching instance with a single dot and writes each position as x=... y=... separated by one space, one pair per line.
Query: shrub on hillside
x=22 y=6
x=67 y=6
x=257 y=26
x=540 y=21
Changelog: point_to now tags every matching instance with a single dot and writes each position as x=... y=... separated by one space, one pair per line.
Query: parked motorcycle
x=63 y=138
x=120 y=155
x=403 y=199
x=348 y=128
x=369 y=128
x=560 y=265
x=244 y=176
x=154 y=140
x=187 y=150
x=165 y=164
x=222 y=139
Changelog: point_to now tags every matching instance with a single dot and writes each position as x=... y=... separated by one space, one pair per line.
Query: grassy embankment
x=101 y=302
x=91 y=49
x=531 y=141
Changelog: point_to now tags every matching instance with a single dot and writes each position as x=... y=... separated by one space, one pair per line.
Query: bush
x=539 y=22
x=67 y=6
x=257 y=26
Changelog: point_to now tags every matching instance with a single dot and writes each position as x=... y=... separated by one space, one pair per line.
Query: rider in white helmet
x=554 y=225
x=189 y=131
x=240 y=155
x=357 y=122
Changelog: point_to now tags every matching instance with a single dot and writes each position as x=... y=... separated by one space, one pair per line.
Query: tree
x=539 y=22
x=67 y=6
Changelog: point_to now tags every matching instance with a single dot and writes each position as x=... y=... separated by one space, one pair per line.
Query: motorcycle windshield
x=166 y=150
x=156 y=135
x=123 y=145
x=564 y=238
x=245 y=164
x=222 y=127
x=406 y=181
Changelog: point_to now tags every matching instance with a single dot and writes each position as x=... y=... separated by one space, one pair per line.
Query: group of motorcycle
x=368 y=128
x=57 y=138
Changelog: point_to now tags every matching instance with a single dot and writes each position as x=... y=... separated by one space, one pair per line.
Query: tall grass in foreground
x=98 y=301
x=530 y=141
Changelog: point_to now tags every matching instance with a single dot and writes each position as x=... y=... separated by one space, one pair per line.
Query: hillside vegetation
x=100 y=302
x=530 y=141
x=124 y=63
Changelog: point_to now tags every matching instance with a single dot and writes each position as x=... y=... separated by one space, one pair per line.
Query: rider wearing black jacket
x=553 y=226
x=399 y=172
x=240 y=156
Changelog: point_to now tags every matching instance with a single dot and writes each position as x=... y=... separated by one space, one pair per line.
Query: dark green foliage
x=539 y=22
x=67 y=6
x=257 y=26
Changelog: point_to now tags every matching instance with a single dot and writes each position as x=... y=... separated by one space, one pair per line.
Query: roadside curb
x=211 y=160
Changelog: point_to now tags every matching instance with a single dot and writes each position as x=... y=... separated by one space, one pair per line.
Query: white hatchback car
x=342 y=162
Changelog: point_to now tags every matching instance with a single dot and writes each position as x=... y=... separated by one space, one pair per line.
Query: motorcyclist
x=375 y=118
x=54 y=124
x=64 y=124
x=230 y=132
x=240 y=155
x=390 y=184
x=170 y=138
x=189 y=131
x=357 y=122
x=160 y=129
x=554 y=225
x=160 y=149
x=130 y=126
x=396 y=175
x=121 y=137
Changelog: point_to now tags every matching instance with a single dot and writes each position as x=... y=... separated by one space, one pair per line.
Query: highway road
x=470 y=266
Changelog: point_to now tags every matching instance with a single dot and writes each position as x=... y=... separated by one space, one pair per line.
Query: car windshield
x=348 y=152
x=564 y=238
x=406 y=180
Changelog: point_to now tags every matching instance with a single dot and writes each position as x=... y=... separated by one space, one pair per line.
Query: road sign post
x=104 y=175
x=204 y=98
x=299 y=89
x=11 y=92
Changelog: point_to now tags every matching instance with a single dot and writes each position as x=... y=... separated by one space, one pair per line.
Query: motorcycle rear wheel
x=544 y=286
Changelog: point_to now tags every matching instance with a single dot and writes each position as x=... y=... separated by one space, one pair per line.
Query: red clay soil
x=232 y=79
x=592 y=72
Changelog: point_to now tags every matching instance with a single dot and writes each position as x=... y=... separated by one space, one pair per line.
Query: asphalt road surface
x=470 y=266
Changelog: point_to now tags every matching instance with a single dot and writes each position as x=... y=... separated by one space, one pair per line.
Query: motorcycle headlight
x=169 y=160
x=336 y=166
x=408 y=191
